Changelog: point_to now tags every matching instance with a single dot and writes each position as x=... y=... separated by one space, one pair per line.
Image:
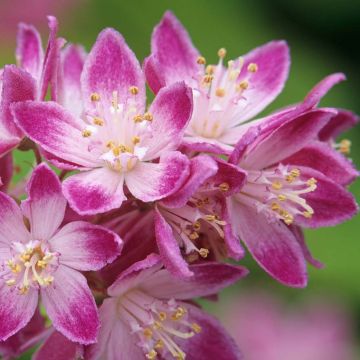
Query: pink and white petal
x=71 y=307
x=12 y=227
x=202 y=167
x=16 y=310
x=84 y=246
x=167 y=176
x=331 y=202
x=202 y=346
x=7 y=141
x=171 y=110
x=29 y=51
x=231 y=136
x=169 y=249
x=343 y=121
x=172 y=47
x=55 y=130
x=208 y=278
x=112 y=66
x=200 y=144
x=59 y=163
x=95 y=191
x=58 y=347
x=272 y=244
x=287 y=139
x=6 y=171
x=45 y=205
x=323 y=158
x=18 y=85
x=273 y=61
x=153 y=74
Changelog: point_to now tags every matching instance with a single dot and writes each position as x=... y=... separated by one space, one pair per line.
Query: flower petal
x=272 y=244
x=56 y=130
x=15 y=310
x=166 y=177
x=45 y=206
x=112 y=66
x=95 y=191
x=84 y=246
x=71 y=306
x=6 y=171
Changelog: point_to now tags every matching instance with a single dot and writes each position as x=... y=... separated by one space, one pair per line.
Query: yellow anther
x=148 y=333
x=138 y=118
x=134 y=90
x=295 y=172
x=311 y=182
x=135 y=140
x=98 y=121
x=252 y=67
x=289 y=178
x=222 y=53
x=344 y=146
x=220 y=92
x=243 y=85
x=48 y=280
x=201 y=60
x=86 y=133
x=224 y=187
x=41 y=264
x=276 y=185
x=193 y=236
x=24 y=290
x=162 y=316
x=178 y=314
x=210 y=217
x=196 y=226
x=275 y=206
x=179 y=356
x=110 y=144
x=95 y=97
x=209 y=69
x=148 y=116
x=204 y=253
x=207 y=79
x=157 y=325
x=159 y=344
x=282 y=197
x=151 y=355
x=196 y=328
x=10 y=282
x=307 y=214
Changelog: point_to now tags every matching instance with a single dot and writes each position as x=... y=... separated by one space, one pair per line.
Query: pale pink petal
x=166 y=177
x=95 y=191
x=84 y=246
x=45 y=205
x=71 y=307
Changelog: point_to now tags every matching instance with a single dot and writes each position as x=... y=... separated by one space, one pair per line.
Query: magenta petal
x=6 y=171
x=166 y=177
x=202 y=346
x=202 y=167
x=71 y=306
x=272 y=244
x=323 y=158
x=169 y=248
x=112 y=66
x=199 y=144
x=95 y=191
x=29 y=51
x=332 y=204
x=84 y=246
x=45 y=206
x=172 y=48
x=15 y=310
x=208 y=278
x=153 y=74
x=58 y=347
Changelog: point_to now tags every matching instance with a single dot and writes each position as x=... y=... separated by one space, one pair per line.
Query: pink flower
x=148 y=314
x=224 y=99
x=39 y=256
x=115 y=141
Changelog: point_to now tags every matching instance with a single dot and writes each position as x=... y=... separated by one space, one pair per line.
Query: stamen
x=345 y=146
x=209 y=69
x=135 y=140
x=243 y=85
x=134 y=90
x=95 y=97
x=252 y=67
x=98 y=121
x=86 y=133
x=224 y=187
x=151 y=355
x=204 y=253
x=201 y=60
x=220 y=92
x=222 y=53
x=148 y=116
x=138 y=118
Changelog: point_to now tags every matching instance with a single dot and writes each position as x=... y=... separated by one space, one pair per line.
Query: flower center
x=31 y=266
x=158 y=324
x=278 y=192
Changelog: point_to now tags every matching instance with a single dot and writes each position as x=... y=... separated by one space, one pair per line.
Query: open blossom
x=148 y=316
x=223 y=98
x=39 y=256
x=114 y=141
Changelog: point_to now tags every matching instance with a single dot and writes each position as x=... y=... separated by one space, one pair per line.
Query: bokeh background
x=323 y=37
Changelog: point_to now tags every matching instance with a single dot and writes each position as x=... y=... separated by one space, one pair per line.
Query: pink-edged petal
x=172 y=48
x=7 y=141
x=287 y=139
x=112 y=66
x=208 y=278
x=115 y=339
x=18 y=85
x=273 y=61
x=153 y=74
x=343 y=121
x=56 y=130
x=12 y=227
x=29 y=51
x=95 y=191
x=45 y=206
x=167 y=176
x=203 y=346
x=16 y=310
x=200 y=144
x=202 y=167
x=6 y=171
x=84 y=246
x=272 y=244
x=332 y=203
x=169 y=248
x=71 y=307
x=323 y=158
x=171 y=110
x=58 y=347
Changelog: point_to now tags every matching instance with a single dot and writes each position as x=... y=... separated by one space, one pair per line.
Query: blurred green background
x=323 y=37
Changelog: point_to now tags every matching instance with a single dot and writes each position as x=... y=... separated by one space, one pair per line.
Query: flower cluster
x=144 y=203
